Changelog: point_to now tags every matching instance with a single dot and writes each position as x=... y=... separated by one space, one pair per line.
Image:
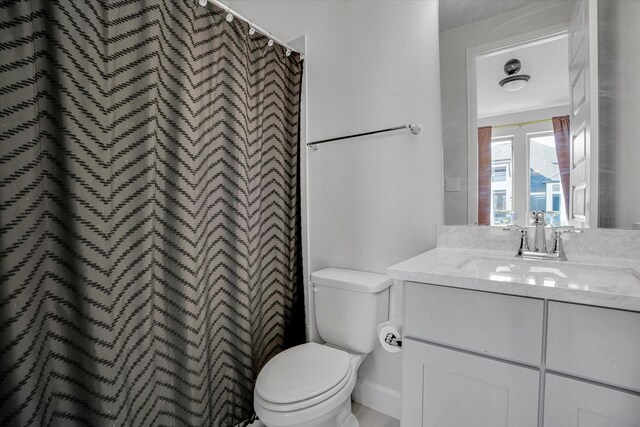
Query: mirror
x=540 y=102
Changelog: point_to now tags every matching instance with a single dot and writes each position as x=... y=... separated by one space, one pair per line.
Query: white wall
x=453 y=46
x=618 y=62
x=374 y=201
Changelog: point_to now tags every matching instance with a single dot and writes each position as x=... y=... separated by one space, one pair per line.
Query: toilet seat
x=303 y=376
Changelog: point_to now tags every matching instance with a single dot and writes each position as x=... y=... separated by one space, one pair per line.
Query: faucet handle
x=559 y=231
x=519 y=228
x=515 y=228
x=558 y=249
x=524 y=237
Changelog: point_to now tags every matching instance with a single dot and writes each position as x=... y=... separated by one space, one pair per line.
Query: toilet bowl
x=310 y=385
x=291 y=393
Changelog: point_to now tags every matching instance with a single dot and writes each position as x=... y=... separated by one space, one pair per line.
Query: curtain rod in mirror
x=521 y=123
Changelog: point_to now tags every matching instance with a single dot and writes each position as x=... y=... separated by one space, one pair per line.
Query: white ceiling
x=546 y=63
x=454 y=13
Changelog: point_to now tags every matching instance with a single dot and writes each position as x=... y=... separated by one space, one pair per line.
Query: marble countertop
x=455 y=267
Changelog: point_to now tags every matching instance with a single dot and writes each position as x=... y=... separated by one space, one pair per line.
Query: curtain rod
x=521 y=123
x=415 y=129
x=251 y=24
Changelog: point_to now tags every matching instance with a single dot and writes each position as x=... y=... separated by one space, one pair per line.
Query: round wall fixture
x=513 y=81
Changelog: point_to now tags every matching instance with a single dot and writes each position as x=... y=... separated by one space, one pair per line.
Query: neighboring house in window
x=501 y=181
x=544 y=182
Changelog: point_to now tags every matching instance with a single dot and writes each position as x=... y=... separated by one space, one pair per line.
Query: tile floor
x=366 y=416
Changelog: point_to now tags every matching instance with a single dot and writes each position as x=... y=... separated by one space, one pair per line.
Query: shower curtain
x=150 y=258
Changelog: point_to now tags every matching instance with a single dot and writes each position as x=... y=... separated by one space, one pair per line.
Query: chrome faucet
x=540 y=243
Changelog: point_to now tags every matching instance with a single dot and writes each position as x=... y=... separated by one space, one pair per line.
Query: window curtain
x=150 y=256
x=484 y=175
x=561 y=134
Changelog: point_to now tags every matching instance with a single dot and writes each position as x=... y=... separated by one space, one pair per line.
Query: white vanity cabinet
x=599 y=348
x=595 y=343
x=498 y=325
x=571 y=402
x=444 y=387
x=476 y=358
x=446 y=383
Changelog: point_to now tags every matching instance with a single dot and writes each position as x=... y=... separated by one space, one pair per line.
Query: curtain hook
x=288 y=52
x=202 y=3
x=252 y=31
x=270 y=43
x=229 y=17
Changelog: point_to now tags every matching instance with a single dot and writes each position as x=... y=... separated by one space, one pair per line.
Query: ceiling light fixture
x=513 y=81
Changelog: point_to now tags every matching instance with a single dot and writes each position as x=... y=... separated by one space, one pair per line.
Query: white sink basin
x=564 y=274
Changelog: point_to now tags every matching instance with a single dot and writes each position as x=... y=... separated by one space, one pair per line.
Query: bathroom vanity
x=490 y=340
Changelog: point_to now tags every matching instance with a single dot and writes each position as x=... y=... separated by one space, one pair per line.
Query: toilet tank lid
x=353 y=280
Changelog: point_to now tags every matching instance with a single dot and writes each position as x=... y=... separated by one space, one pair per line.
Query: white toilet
x=310 y=385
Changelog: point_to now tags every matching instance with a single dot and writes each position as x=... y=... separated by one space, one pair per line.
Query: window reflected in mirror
x=519 y=172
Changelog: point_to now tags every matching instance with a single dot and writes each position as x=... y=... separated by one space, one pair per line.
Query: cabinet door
x=575 y=403
x=448 y=388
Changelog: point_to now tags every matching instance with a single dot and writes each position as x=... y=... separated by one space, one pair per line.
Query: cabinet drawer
x=570 y=402
x=499 y=325
x=595 y=343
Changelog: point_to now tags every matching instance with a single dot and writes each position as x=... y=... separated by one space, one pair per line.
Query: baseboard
x=378 y=397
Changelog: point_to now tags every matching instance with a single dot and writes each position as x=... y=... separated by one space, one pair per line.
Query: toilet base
x=339 y=417
x=344 y=418
x=351 y=421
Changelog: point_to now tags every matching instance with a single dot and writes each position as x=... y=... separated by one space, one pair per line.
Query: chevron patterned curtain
x=150 y=258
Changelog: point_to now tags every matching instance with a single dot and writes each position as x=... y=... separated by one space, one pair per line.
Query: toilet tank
x=349 y=305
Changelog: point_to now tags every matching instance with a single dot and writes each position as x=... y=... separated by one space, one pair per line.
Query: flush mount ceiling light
x=513 y=81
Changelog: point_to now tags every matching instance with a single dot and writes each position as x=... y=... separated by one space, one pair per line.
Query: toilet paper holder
x=393 y=341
